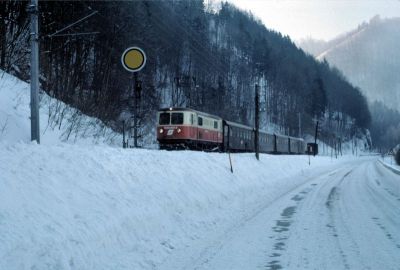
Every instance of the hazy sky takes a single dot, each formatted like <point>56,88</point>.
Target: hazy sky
<point>320,19</point>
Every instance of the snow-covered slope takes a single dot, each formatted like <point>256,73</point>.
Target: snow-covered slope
<point>78,205</point>
<point>58,122</point>
<point>391,164</point>
<point>97,207</point>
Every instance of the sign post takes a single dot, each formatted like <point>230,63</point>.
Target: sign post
<point>133,60</point>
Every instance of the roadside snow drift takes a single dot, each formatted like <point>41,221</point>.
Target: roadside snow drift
<point>81,207</point>
<point>58,121</point>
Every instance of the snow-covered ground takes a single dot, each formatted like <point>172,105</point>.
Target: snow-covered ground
<point>92,207</point>
<point>58,122</point>
<point>84,204</point>
<point>347,218</point>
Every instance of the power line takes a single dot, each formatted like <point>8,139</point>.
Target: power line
<point>72,24</point>
<point>75,34</point>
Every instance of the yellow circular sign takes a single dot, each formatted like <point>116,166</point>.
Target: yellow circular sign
<point>133,59</point>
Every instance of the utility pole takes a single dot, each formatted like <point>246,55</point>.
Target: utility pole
<point>299,125</point>
<point>315,138</point>
<point>123,134</point>
<point>136,100</point>
<point>316,133</point>
<point>34,35</point>
<point>257,122</point>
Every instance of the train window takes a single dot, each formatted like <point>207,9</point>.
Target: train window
<point>215,124</point>
<point>200,121</point>
<point>191,119</point>
<point>177,118</point>
<point>164,118</point>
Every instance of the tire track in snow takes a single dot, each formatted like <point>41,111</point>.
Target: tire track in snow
<point>388,235</point>
<point>282,226</point>
<point>331,204</point>
<point>282,229</point>
<point>332,221</point>
<point>209,253</point>
<point>379,198</point>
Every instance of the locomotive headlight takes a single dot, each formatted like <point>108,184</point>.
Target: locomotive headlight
<point>179,130</point>
<point>161,131</point>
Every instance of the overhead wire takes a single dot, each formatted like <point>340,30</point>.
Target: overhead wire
<point>72,24</point>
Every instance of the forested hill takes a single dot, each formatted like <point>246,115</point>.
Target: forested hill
<point>369,57</point>
<point>198,56</point>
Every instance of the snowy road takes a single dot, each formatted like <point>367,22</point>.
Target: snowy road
<point>347,218</point>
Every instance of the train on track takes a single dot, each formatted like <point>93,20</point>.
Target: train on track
<point>183,128</point>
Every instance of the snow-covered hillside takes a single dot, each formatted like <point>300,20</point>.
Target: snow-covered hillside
<point>98,207</point>
<point>368,56</point>
<point>58,122</point>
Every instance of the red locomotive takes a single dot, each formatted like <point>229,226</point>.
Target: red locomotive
<point>187,128</point>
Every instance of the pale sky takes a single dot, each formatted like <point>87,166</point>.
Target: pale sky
<point>320,19</point>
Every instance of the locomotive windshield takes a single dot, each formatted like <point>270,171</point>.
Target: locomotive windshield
<point>177,118</point>
<point>171,118</point>
<point>164,118</point>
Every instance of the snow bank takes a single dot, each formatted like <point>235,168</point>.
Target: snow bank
<point>58,121</point>
<point>90,207</point>
<point>391,164</point>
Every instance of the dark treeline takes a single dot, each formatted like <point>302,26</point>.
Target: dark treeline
<point>198,56</point>
<point>385,126</point>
